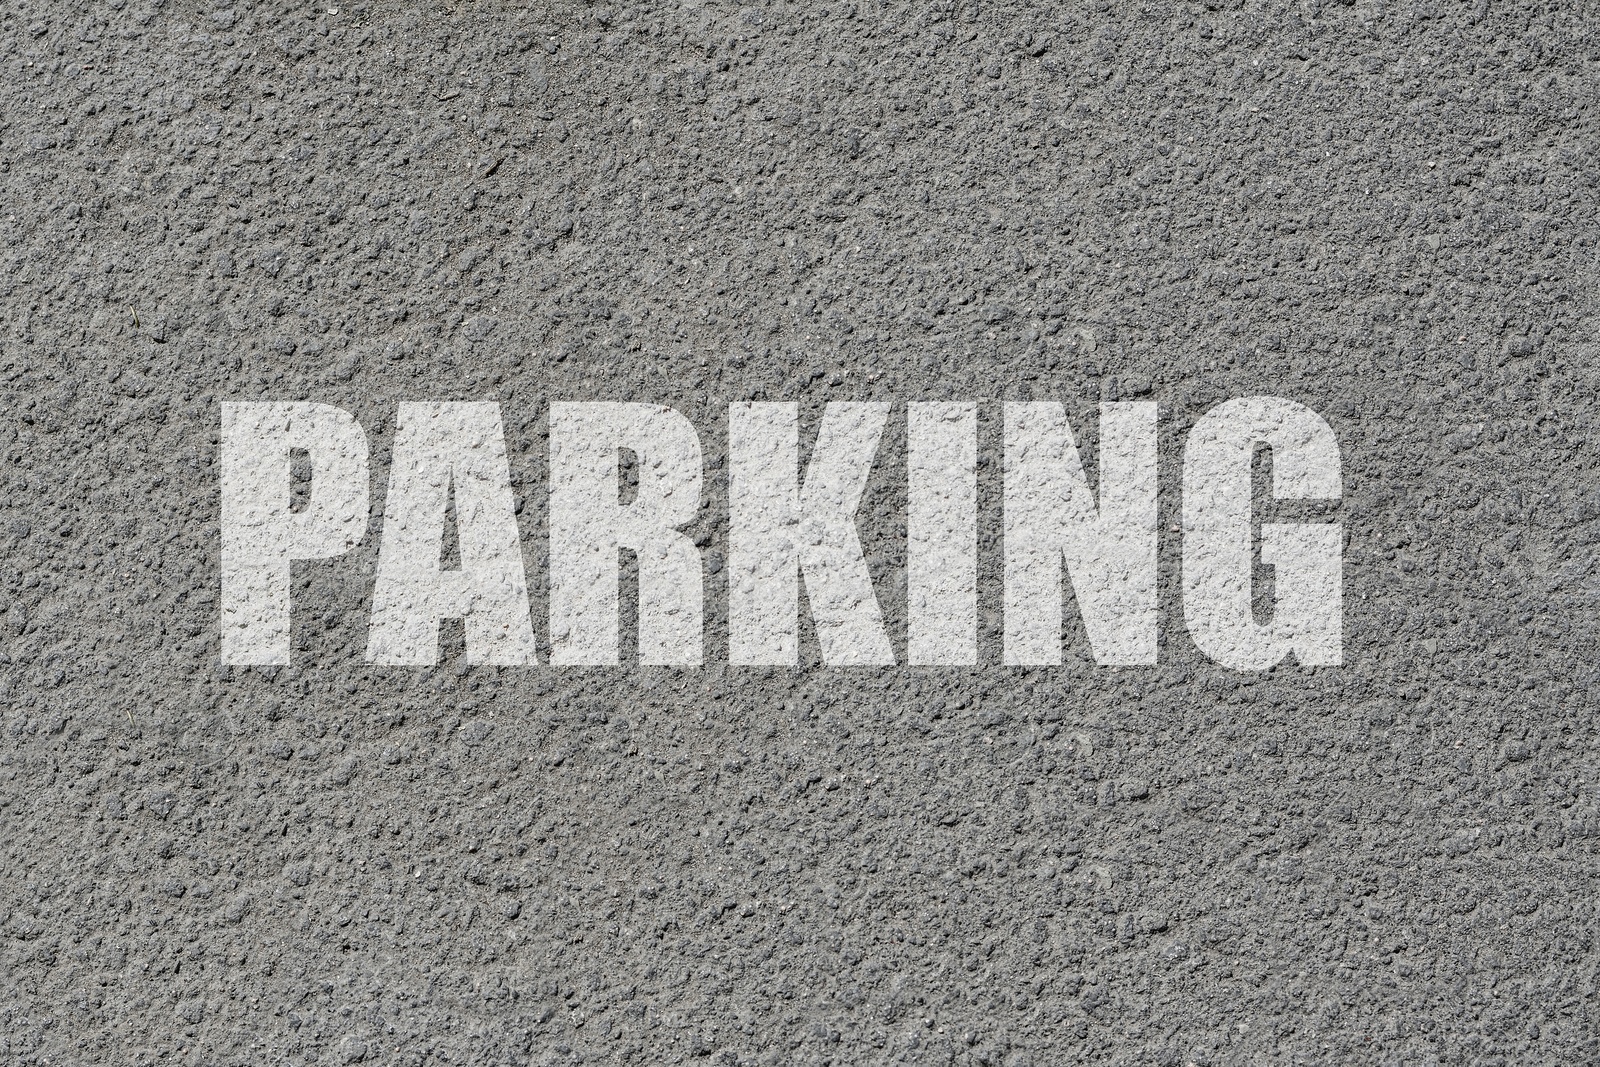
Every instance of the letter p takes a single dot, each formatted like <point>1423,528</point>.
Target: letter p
<point>262,532</point>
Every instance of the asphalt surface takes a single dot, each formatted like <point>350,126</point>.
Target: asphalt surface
<point>1385,210</point>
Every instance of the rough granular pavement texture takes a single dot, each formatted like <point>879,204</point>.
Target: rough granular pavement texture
<point>1384,209</point>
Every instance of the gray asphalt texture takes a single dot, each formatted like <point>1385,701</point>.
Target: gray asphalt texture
<point>1385,210</point>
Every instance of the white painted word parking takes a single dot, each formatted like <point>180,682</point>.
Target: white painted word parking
<point>784,524</point>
